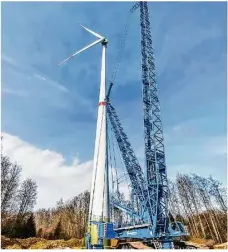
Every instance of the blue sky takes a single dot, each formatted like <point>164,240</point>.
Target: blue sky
<point>54,108</point>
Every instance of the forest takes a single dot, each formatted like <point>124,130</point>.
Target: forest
<point>200,203</point>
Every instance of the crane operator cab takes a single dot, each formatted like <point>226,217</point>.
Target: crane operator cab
<point>177,228</point>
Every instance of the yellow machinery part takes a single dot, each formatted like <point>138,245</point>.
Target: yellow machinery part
<point>94,234</point>
<point>113,243</point>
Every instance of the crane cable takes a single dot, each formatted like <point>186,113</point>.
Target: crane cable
<point>118,179</point>
<point>115,166</point>
<point>121,50</point>
<point>123,39</point>
<point>116,66</point>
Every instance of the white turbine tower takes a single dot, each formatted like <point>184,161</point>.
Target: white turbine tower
<point>98,210</point>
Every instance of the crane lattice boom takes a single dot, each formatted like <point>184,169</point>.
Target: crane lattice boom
<point>153,132</point>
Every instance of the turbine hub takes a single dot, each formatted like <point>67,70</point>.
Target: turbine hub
<point>104,41</point>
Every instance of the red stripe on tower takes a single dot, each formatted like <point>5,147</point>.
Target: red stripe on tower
<point>102,103</point>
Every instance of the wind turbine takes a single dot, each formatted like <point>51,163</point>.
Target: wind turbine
<point>99,196</point>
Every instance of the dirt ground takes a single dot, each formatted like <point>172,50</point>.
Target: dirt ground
<point>208,243</point>
<point>39,243</point>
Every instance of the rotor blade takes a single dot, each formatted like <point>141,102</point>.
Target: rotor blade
<point>83,49</point>
<point>94,33</point>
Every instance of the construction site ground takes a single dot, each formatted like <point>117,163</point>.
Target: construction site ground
<point>39,243</point>
<point>203,243</point>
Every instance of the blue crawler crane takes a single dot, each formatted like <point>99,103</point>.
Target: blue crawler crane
<point>148,224</point>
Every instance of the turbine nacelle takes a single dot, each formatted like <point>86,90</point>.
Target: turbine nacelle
<point>101,39</point>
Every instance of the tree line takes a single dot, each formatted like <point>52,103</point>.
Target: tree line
<point>200,203</point>
<point>17,201</point>
<point>67,220</point>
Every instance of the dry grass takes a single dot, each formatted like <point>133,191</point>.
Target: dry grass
<point>39,243</point>
<point>208,243</point>
<point>221,246</point>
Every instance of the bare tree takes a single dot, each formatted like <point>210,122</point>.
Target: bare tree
<point>203,203</point>
<point>73,214</point>
<point>212,222</point>
<point>218,193</point>
<point>27,196</point>
<point>183,189</point>
<point>10,174</point>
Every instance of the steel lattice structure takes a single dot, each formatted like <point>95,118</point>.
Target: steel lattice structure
<point>153,132</point>
<point>152,192</point>
<point>132,165</point>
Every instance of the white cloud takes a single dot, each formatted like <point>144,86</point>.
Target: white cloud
<point>216,146</point>
<point>177,128</point>
<point>55,179</point>
<point>52,83</point>
<point>27,70</point>
<point>9,60</point>
<point>13,92</point>
<point>39,77</point>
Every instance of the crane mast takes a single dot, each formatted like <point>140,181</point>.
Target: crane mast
<point>150,188</point>
<point>153,132</point>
